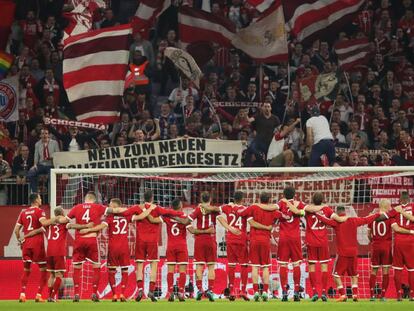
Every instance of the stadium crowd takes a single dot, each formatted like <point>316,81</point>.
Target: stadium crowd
<point>370,116</point>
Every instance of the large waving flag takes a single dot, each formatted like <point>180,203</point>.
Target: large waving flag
<point>94,68</point>
<point>147,12</point>
<point>6,20</point>
<point>265,40</point>
<point>352,53</point>
<point>185,63</point>
<point>314,19</point>
<point>261,5</point>
<point>6,60</point>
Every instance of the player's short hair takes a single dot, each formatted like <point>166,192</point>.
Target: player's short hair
<point>33,197</point>
<point>117,201</point>
<point>265,197</point>
<point>58,211</point>
<point>340,209</point>
<point>404,195</point>
<point>289,192</point>
<point>317,198</point>
<point>91,196</point>
<point>238,196</point>
<point>148,195</point>
<point>176,204</point>
<point>205,197</point>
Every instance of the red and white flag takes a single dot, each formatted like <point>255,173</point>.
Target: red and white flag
<point>265,40</point>
<point>306,19</point>
<point>260,5</point>
<point>148,11</point>
<point>94,67</point>
<point>196,25</point>
<point>352,52</point>
<point>81,17</point>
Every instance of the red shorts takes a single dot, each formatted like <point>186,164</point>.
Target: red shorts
<point>289,250</point>
<point>86,249</point>
<point>146,251</point>
<point>118,257</point>
<point>237,253</point>
<point>56,263</point>
<point>259,254</point>
<point>34,254</point>
<point>381,256</point>
<point>318,254</point>
<point>345,266</point>
<point>177,254</point>
<point>403,256</point>
<point>205,251</point>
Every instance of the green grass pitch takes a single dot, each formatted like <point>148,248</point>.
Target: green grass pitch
<point>218,305</point>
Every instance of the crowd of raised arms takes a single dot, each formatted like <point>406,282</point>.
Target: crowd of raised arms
<point>391,231</point>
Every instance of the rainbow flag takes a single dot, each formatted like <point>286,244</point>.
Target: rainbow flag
<point>6,61</point>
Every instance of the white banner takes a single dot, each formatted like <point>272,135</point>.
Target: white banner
<point>182,152</point>
<point>9,99</point>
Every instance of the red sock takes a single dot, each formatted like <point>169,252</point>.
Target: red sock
<point>56,286</point>
<point>354,290</point>
<point>139,284</point>
<point>25,278</point>
<point>312,279</point>
<point>181,281</point>
<point>211,284</point>
<point>170,281</point>
<point>255,288</point>
<point>95,280</point>
<point>199,284</point>
<point>324,282</point>
<point>244,275</point>
<point>296,277</point>
<point>152,286</point>
<point>231,273</point>
<point>111,280</point>
<point>124,281</point>
<point>43,281</point>
<point>411,283</point>
<point>50,291</point>
<point>283,277</point>
<point>385,283</point>
<point>77,280</point>
<point>341,291</point>
<point>372,282</point>
<point>397,280</point>
<point>265,288</point>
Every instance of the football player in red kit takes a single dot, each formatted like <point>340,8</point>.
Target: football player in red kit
<point>118,245</point>
<point>347,247</point>
<point>403,255</point>
<point>380,235</point>
<point>31,221</point>
<point>290,243</point>
<point>261,218</point>
<point>317,243</point>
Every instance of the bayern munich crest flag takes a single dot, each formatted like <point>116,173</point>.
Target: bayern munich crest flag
<point>9,95</point>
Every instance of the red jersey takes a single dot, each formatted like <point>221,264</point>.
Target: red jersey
<point>381,232</point>
<point>118,229</point>
<point>86,213</point>
<point>316,232</point>
<point>259,215</point>
<point>145,230</point>
<point>234,219</point>
<point>400,220</point>
<point>346,233</point>
<point>290,228</point>
<point>29,218</point>
<point>203,222</point>
<point>56,240</point>
<point>176,232</point>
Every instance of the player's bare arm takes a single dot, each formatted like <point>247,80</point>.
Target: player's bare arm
<point>184,221</point>
<point>327,221</point>
<point>210,209</point>
<point>226,225</point>
<point>399,229</point>
<point>269,207</point>
<point>34,232</point>
<point>338,218</point>
<point>406,215</point>
<point>75,226</point>
<point>96,228</point>
<point>258,225</point>
<point>154,220</point>
<point>294,207</point>
<point>310,208</point>
<point>17,229</point>
<point>144,215</point>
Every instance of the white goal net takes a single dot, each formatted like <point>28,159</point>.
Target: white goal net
<point>357,188</point>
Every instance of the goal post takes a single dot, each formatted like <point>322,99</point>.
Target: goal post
<point>359,189</point>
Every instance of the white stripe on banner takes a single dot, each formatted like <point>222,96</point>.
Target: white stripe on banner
<point>144,11</point>
<point>105,34</point>
<point>204,24</point>
<point>304,8</point>
<point>93,114</point>
<point>264,5</point>
<point>95,88</point>
<point>351,48</point>
<point>96,59</point>
<point>353,58</point>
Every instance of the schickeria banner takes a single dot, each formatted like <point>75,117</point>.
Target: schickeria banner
<point>182,152</point>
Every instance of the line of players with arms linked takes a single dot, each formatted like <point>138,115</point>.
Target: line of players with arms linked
<point>243,248</point>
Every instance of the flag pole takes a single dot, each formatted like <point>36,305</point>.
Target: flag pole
<point>349,89</point>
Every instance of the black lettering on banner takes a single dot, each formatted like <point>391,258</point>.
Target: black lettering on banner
<point>226,159</point>
<point>115,152</point>
<point>127,152</point>
<point>148,148</point>
<point>163,146</point>
<point>208,159</point>
<point>134,163</point>
<point>162,160</point>
<point>152,162</point>
<point>201,145</point>
<point>217,159</point>
<point>92,155</point>
<point>142,162</point>
<point>190,145</point>
<point>234,159</point>
<point>173,145</point>
<point>190,158</point>
<point>172,158</point>
<point>180,159</point>
<point>200,158</point>
<point>114,164</point>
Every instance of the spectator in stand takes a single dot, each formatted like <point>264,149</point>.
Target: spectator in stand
<point>43,158</point>
<point>355,130</point>
<point>35,70</point>
<point>123,125</point>
<point>5,172</point>
<point>167,118</point>
<point>31,29</point>
<point>21,164</point>
<point>339,139</point>
<point>73,139</point>
<point>144,46</point>
<point>353,159</point>
<point>139,136</point>
<point>109,19</point>
<point>49,86</point>
<point>405,150</point>
<point>385,159</point>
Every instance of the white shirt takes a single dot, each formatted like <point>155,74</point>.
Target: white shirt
<point>179,95</point>
<point>320,128</point>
